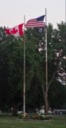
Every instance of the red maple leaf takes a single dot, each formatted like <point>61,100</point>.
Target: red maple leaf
<point>14,30</point>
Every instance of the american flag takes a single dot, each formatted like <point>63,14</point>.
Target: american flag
<point>36,22</point>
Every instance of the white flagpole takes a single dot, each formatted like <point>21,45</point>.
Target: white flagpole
<point>46,48</point>
<point>46,62</point>
<point>24,84</point>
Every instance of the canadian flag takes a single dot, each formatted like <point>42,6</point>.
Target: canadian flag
<point>15,31</point>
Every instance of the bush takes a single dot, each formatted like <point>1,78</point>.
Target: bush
<point>21,116</point>
<point>34,116</point>
<point>45,117</point>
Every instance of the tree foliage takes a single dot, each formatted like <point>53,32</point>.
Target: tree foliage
<point>12,68</point>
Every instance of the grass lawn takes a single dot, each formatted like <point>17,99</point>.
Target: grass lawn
<point>12,122</point>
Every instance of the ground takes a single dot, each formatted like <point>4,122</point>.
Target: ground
<point>15,122</point>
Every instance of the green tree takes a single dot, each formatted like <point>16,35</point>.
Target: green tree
<point>11,67</point>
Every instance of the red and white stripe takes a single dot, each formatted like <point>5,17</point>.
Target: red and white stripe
<point>34,23</point>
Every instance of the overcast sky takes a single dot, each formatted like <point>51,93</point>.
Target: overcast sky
<point>12,11</point>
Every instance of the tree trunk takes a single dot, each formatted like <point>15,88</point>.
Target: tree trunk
<point>46,102</point>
